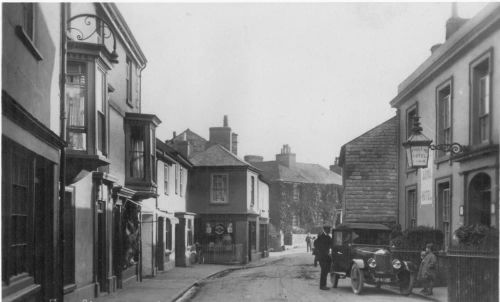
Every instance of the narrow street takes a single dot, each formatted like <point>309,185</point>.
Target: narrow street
<point>293,278</point>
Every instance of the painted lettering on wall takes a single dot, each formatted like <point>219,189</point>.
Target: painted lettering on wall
<point>427,183</point>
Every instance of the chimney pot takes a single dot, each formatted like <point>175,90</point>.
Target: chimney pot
<point>225,121</point>
<point>174,134</point>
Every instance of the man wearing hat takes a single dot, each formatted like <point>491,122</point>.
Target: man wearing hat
<point>322,247</point>
<point>427,270</point>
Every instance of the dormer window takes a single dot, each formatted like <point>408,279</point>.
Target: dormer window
<point>140,144</point>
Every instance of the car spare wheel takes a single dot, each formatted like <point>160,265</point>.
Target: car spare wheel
<point>334,278</point>
<point>357,279</point>
<point>406,282</point>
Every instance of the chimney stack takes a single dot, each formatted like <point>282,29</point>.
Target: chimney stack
<point>224,137</point>
<point>174,134</point>
<point>286,157</point>
<point>234,143</point>
<point>454,22</point>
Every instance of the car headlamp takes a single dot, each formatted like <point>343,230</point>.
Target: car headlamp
<point>396,264</point>
<point>372,263</point>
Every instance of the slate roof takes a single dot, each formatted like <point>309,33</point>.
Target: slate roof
<point>302,173</point>
<point>217,156</point>
<point>162,146</point>
<point>190,135</point>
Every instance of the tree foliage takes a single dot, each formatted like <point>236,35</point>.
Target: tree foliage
<point>311,205</point>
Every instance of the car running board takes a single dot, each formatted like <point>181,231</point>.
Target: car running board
<point>342,275</point>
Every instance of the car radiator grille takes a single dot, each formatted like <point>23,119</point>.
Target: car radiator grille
<point>383,263</point>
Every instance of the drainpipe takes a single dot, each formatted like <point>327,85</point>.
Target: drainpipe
<point>62,164</point>
<point>398,166</point>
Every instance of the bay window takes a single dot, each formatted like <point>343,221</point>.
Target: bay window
<point>137,152</point>
<point>76,102</point>
<point>86,91</point>
<point>140,144</point>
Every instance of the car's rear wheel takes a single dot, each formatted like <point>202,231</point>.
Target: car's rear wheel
<point>357,279</point>
<point>406,282</point>
<point>334,278</point>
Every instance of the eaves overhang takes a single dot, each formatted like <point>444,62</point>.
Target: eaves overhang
<point>124,33</point>
<point>476,29</point>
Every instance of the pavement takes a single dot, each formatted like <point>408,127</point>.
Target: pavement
<point>171,285</point>
<point>439,294</point>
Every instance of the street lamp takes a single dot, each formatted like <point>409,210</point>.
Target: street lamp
<point>417,147</point>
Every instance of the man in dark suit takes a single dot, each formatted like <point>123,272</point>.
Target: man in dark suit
<point>322,247</point>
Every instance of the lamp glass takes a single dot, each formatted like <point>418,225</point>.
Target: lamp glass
<point>419,156</point>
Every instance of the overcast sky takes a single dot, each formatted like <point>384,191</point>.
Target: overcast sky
<point>311,75</point>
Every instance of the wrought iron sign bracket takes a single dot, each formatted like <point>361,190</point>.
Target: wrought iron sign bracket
<point>97,29</point>
<point>453,148</point>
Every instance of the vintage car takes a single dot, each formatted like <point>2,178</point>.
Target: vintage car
<point>362,252</point>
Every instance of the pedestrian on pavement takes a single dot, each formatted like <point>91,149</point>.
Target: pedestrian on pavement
<point>313,239</point>
<point>427,270</point>
<point>308,242</point>
<point>322,246</point>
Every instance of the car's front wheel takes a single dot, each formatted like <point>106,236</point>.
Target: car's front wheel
<point>406,282</point>
<point>357,279</point>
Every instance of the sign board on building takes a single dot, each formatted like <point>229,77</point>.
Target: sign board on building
<point>427,182</point>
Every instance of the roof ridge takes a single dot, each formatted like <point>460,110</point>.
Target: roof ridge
<point>370,130</point>
<point>230,153</point>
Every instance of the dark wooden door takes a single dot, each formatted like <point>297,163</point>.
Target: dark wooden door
<point>101,245</point>
<point>160,246</point>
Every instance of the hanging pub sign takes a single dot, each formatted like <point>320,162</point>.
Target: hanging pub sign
<point>230,227</point>
<point>208,228</point>
<point>219,229</point>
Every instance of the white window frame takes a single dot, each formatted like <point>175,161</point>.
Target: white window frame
<point>166,179</point>
<point>212,197</point>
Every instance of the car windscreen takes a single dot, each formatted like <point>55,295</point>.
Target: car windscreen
<point>371,237</point>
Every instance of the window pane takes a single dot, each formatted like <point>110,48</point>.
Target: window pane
<point>99,100</point>
<point>77,140</point>
<point>181,174</point>
<point>76,91</point>
<point>481,102</point>
<point>76,105</point>
<point>176,178</point>
<point>219,189</point>
<point>410,121</point>
<point>484,95</point>
<point>137,152</point>
<point>165,178</point>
